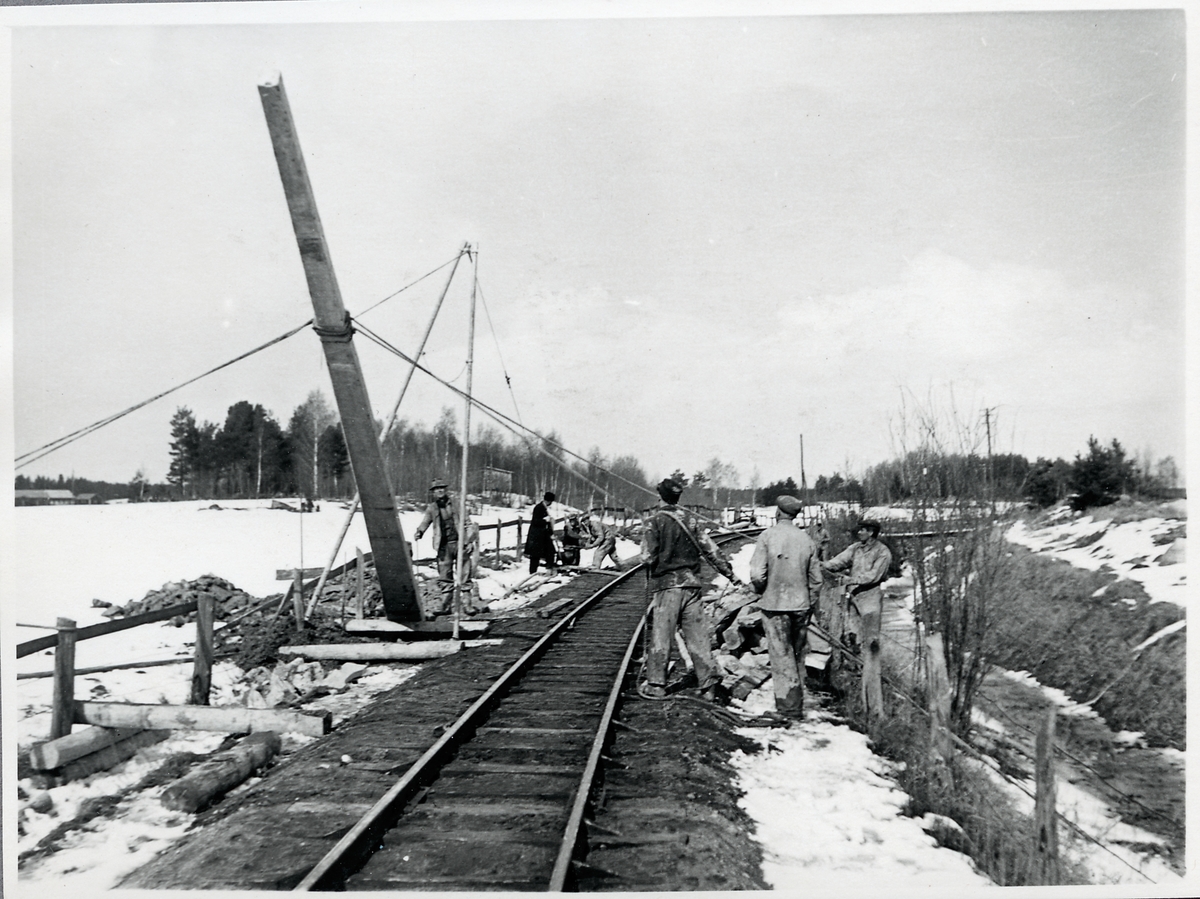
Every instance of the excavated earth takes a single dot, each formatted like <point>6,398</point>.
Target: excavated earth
<point>668,817</point>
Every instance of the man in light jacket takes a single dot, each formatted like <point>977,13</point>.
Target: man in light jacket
<point>604,542</point>
<point>785,571</point>
<point>440,515</point>
<point>867,561</point>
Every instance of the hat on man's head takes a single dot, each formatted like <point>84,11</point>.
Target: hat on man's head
<point>437,482</point>
<point>670,490</point>
<point>789,505</point>
<point>871,525</point>
<point>548,496</point>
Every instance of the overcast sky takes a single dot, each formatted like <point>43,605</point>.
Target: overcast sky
<point>698,237</point>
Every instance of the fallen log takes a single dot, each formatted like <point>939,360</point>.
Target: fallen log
<point>227,719</point>
<point>101,760</point>
<point>413,629</point>
<point>56,753</point>
<point>220,774</point>
<point>384,652</point>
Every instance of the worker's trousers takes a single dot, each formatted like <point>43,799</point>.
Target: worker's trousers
<point>606,550</point>
<point>787,634</point>
<point>679,607</point>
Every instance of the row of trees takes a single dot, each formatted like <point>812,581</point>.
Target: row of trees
<point>253,455</point>
<point>1100,476</point>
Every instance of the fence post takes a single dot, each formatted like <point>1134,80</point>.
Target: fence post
<point>499,531</point>
<point>362,584</point>
<point>1045,816</point>
<point>63,714</point>
<point>937,687</point>
<point>202,669</point>
<point>298,599</point>
<point>519,538</point>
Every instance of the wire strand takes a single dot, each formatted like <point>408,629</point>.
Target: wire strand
<point>58,444</point>
<point>54,445</point>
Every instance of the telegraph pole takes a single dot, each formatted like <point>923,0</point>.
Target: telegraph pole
<point>331,321</point>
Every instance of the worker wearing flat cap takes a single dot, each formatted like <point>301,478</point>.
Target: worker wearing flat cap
<point>867,562</point>
<point>445,545</point>
<point>672,548</point>
<point>786,573</point>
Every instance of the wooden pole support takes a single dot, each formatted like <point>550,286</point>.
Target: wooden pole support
<point>298,600</point>
<point>1045,817</point>
<point>202,670</point>
<point>63,713</point>
<point>362,584</point>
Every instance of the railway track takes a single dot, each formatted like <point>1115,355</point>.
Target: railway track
<point>501,800</point>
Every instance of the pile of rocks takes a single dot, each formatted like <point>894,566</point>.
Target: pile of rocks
<point>230,601</point>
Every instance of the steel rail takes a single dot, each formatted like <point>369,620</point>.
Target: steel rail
<point>323,875</point>
<point>331,871</point>
<point>566,852</point>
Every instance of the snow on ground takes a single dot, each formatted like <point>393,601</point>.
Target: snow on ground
<point>849,829</point>
<point>1127,549</point>
<point>827,814</point>
<point>120,552</point>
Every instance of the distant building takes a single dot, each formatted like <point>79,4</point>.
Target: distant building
<point>90,499</point>
<point>44,498</point>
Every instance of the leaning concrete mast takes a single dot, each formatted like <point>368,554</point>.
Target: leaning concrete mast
<point>332,323</point>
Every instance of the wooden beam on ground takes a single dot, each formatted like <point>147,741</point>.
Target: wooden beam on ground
<point>413,629</point>
<point>101,760</point>
<point>231,720</point>
<point>220,774</point>
<point>377,652</point>
<point>56,753</point>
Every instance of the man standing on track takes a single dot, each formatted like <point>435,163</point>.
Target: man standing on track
<point>867,561</point>
<point>539,545</point>
<point>785,571</point>
<point>604,542</point>
<point>445,545</point>
<point>672,548</point>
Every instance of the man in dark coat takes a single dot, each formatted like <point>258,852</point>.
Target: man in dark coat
<point>672,547</point>
<point>539,545</point>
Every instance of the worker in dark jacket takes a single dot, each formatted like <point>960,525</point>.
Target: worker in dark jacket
<point>672,548</point>
<point>785,571</point>
<point>867,562</point>
<point>439,514</point>
<point>573,536</point>
<point>539,545</point>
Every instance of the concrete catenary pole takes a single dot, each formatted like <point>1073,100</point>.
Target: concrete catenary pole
<point>332,323</point>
